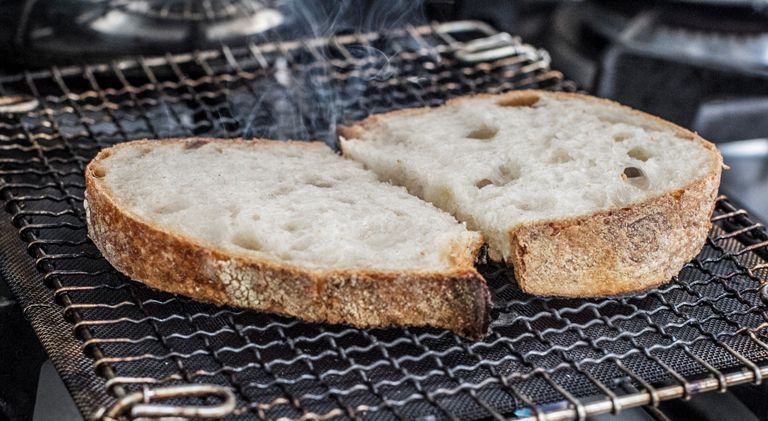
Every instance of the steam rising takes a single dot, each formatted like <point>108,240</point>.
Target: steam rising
<point>306,93</point>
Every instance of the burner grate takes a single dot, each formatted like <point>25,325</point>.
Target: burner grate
<point>125,351</point>
<point>190,10</point>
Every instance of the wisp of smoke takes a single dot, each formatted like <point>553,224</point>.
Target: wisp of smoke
<point>304,101</point>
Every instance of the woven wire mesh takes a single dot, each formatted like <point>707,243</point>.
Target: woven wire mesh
<point>110,337</point>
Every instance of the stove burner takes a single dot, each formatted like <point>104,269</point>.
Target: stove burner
<point>637,52</point>
<point>190,10</point>
<point>198,23</point>
<point>79,31</point>
<point>186,22</point>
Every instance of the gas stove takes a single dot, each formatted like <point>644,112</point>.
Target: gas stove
<point>701,64</point>
<point>684,61</point>
<point>71,31</point>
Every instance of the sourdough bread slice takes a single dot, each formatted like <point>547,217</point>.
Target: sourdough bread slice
<point>583,196</point>
<point>283,227</point>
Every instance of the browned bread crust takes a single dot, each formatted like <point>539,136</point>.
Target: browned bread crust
<point>610,252</point>
<point>457,300</point>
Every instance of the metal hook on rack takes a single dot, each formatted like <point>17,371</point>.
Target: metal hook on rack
<point>140,404</point>
<point>17,104</point>
<point>499,46</point>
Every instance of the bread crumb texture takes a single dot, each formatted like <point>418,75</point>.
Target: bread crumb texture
<point>568,188</point>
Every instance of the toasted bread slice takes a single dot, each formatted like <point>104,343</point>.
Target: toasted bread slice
<point>583,196</point>
<point>283,227</point>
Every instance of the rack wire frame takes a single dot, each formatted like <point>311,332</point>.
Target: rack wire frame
<point>125,351</point>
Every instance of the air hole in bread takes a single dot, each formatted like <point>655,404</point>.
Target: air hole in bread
<point>526,206</point>
<point>504,174</point>
<point>636,177</point>
<point>99,171</point>
<point>246,241</point>
<point>190,145</point>
<point>280,191</point>
<point>633,172</point>
<point>142,152</point>
<point>621,136</point>
<point>527,99</point>
<point>484,132</point>
<point>294,226</point>
<point>255,217</point>
<point>483,183</point>
<point>170,208</point>
<point>444,198</point>
<point>508,171</point>
<point>323,184</point>
<point>614,118</point>
<point>639,153</point>
<point>559,156</point>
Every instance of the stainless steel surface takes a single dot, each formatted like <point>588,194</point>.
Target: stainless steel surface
<point>753,148</point>
<point>667,59</point>
<point>747,179</point>
<point>732,118</point>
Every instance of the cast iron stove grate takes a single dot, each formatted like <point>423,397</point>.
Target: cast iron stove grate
<point>125,351</point>
<point>188,9</point>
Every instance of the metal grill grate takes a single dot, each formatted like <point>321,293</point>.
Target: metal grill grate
<point>118,344</point>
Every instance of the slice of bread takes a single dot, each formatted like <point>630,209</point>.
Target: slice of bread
<point>283,227</point>
<point>583,196</point>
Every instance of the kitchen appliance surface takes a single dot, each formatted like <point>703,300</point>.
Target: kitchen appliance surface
<point>125,351</point>
<point>42,33</point>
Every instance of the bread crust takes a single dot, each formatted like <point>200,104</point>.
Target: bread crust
<point>609,252</point>
<point>458,299</point>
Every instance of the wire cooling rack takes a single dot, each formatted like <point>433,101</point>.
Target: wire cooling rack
<point>125,351</point>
